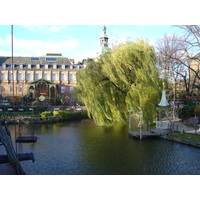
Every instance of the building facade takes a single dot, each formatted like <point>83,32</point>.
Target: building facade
<point>44,77</point>
<point>194,65</point>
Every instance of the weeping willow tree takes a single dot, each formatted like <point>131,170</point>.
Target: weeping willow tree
<point>123,79</point>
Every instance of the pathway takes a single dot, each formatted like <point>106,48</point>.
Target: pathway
<point>180,126</point>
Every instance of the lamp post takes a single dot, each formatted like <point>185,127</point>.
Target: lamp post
<point>12,68</point>
<point>130,119</point>
<point>141,117</point>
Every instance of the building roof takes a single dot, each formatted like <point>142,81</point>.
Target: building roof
<point>42,61</point>
<point>31,60</point>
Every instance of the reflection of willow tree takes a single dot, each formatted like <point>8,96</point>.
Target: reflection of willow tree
<point>126,78</point>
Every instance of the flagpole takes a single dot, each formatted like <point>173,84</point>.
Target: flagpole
<point>12,63</point>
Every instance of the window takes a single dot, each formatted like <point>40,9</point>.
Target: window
<point>11,88</point>
<point>54,77</point>
<point>3,89</point>
<point>3,66</point>
<point>38,66</point>
<point>62,77</point>
<point>71,77</point>
<point>3,77</point>
<point>51,59</point>
<point>63,88</point>
<point>19,88</point>
<point>34,59</point>
<point>37,76</point>
<point>19,78</point>
<point>54,66</point>
<point>28,77</point>
<point>21,66</point>
<point>71,89</point>
<point>45,76</point>
<point>10,77</point>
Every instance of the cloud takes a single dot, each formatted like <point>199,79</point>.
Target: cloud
<point>87,54</point>
<point>34,28</point>
<point>47,28</point>
<point>56,29</point>
<point>124,35</point>
<point>38,47</point>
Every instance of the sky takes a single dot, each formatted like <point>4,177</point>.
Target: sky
<point>73,41</point>
<point>80,38</point>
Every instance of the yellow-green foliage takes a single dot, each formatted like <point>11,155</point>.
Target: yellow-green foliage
<point>60,113</point>
<point>197,110</point>
<point>46,114</point>
<point>124,79</point>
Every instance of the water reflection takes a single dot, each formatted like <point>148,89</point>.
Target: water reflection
<point>84,148</point>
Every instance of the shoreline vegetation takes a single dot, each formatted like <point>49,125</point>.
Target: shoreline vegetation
<point>47,117</point>
<point>184,138</point>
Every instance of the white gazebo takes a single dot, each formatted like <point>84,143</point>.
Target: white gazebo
<point>163,121</point>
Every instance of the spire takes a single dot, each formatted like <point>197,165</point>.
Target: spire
<point>164,101</point>
<point>104,38</point>
<point>104,29</point>
<point>103,43</point>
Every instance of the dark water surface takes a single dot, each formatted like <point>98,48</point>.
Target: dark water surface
<point>80,148</point>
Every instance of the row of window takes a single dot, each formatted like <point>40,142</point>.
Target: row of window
<point>63,89</point>
<point>19,89</point>
<point>38,66</point>
<point>29,77</point>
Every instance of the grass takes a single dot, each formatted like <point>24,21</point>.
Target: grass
<point>186,136</point>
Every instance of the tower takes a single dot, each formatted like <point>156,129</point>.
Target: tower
<point>104,38</point>
<point>103,42</point>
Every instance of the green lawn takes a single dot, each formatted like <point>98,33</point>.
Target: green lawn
<point>186,136</point>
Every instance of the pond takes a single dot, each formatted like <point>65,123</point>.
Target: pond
<point>82,148</point>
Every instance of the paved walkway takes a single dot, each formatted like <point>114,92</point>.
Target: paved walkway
<point>180,126</point>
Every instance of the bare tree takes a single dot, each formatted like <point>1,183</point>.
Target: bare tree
<point>175,61</point>
<point>192,37</point>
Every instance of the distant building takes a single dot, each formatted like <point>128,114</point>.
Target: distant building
<point>44,77</point>
<point>47,77</point>
<point>195,65</point>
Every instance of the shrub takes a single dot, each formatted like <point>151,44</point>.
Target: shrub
<point>60,113</point>
<point>46,114</point>
<point>71,115</point>
<point>187,111</point>
<point>197,110</point>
